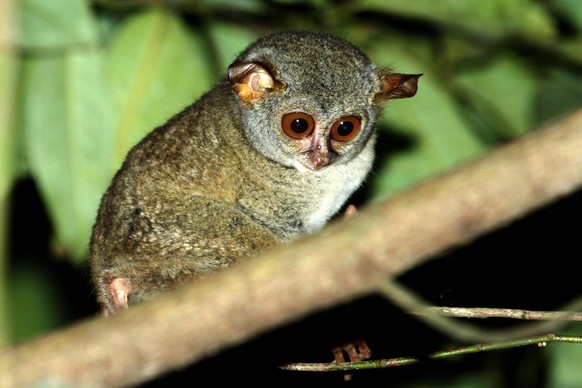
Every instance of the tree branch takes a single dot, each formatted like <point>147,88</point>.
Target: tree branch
<point>488,312</point>
<point>387,363</point>
<point>344,261</point>
<point>439,317</point>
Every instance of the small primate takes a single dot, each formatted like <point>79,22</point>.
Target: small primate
<point>268,155</point>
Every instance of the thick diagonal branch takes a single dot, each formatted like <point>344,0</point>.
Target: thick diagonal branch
<point>346,260</point>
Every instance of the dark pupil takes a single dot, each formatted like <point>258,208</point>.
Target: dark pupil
<point>299,125</point>
<point>345,128</point>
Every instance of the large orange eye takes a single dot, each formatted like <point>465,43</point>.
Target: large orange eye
<point>298,125</point>
<point>345,129</point>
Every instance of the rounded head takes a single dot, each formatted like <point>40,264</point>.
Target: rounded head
<point>308,99</point>
<point>315,64</point>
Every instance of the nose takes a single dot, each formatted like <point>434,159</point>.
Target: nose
<point>319,159</point>
<point>319,156</point>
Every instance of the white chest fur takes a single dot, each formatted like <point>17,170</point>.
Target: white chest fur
<point>341,181</point>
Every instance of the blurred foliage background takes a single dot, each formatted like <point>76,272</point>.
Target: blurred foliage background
<point>82,81</point>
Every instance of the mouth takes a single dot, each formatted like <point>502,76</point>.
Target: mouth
<point>319,159</point>
<point>302,168</point>
<point>311,165</point>
<point>313,159</point>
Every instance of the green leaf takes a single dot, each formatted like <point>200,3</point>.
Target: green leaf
<point>572,49</point>
<point>68,122</point>
<point>570,9</point>
<point>228,41</point>
<point>234,5</point>
<point>564,366</point>
<point>155,68</point>
<point>558,94</point>
<point>439,138</point>
<point>505,91</point>
<point>9,63</point>
<point>55,23</point>
<point>491,17</point>
<point>35,301</point>
<point>8,134</point>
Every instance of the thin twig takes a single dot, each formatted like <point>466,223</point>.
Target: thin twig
<point>400,361</point>
<point>487,312</point>
<point>409,301</point>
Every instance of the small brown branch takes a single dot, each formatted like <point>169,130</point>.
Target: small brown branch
<point>387,363</point>
<point>346,260</point>
<point>485,312</point>
<point>440,317</point>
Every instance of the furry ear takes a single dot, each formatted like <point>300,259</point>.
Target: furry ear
<point>395,85</point>
<point>251,81</point>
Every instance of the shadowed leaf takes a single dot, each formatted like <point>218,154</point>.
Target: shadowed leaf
<point>155,67</point>
<point>68,122</point>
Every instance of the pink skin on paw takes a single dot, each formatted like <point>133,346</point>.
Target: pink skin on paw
<point>119,290</point>
<point>351,211</point>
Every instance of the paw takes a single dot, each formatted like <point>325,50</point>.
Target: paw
<point>118,291</point>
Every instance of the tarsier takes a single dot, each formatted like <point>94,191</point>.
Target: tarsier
<point>268,155</point>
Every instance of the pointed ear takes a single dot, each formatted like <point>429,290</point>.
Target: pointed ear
<point>251,81</point>
<point>394,85</point>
